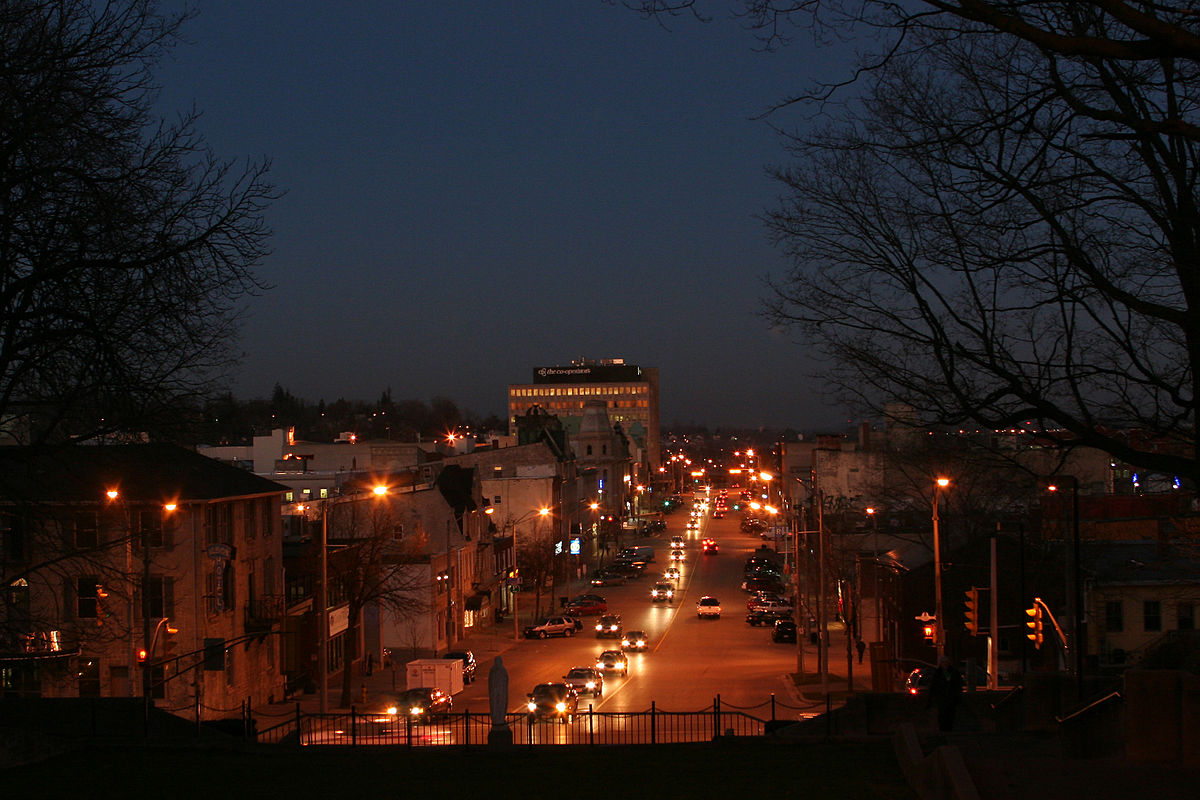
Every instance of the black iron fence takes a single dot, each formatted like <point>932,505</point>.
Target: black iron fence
<point>584,726</point>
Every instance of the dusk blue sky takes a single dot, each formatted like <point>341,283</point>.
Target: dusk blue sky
<point>474,189</point>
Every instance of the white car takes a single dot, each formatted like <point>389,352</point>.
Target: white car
<point>708,607</point>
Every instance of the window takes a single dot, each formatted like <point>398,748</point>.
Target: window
<point>1186,616</point>
<point>87,598</point>
<point>12,537</point>
<point>86,533</point>
<point>268,520</point>
<point>1152,615</point>
<point>1114,616</point>
<point>218,524</point>
<point>250,519</point>
<point>148,528</point>
<point>589,449</point>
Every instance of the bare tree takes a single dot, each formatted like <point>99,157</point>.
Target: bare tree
<point>374,562</point>
<point>1001,227</point>
<point>125,243</point>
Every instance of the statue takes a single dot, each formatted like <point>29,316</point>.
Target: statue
<point>500,735</point>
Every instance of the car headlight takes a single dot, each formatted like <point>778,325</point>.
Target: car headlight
<point>591,685</point>
<point>624,643</point>
<point>560,706</point>
<point>532,706</point>
<point>599,665</point>
<point>599,627</point>
<point>641,642</point>
<point>392,710</point>
<point>416,711</point>
<point>670,593</point>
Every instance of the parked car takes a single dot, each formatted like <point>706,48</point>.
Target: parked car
<point>784,631</point>
<point>584,608</point>
<point>556,701</point>
<point>608,577</point>
<point>761,617</point>
<point>630,569</point>
<point>611,661</point>
<point>634,640</point>
<point>661,592</point>
<point>585,679</point>
<point>468,663</point>
<point>421,704</point>
<point>609,626</point>
<point>760,599</point>
<point>708,607</point>
<point>551,626</point>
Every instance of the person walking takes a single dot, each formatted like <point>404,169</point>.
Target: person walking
<point>945,691</point>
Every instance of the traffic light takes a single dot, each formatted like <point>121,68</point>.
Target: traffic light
<point>141,655</point>
<point>170,633</point>
<point>972,613</point>
<point>930,631</point>
<point>1034,623</point>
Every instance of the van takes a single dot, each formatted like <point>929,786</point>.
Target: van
<point>637,554</point>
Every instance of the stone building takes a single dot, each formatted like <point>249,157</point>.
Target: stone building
<point>139,569</point>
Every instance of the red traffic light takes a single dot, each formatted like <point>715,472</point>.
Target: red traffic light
<point>141,655</point>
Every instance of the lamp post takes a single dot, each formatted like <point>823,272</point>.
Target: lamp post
<point>321,600</point>
<point>1076,578</point>
<point>939,623</point>
<point>149,630</point>
<point>544,511</point>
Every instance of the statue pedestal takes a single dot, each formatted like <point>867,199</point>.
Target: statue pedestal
<point>500,737</point>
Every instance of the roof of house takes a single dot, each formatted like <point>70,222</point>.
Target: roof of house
<point>1142,562</point>
<point>151,473</point>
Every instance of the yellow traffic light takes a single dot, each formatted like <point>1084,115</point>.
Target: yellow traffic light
<point>972,612</point>
<point>1034,623</point>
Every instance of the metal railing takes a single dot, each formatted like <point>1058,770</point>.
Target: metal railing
<point>467,729</point>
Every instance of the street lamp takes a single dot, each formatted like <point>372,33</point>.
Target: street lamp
<point>322,597</point>
<point>939,625</point>
<point>145,656</point>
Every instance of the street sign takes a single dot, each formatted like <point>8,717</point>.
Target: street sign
<point>926,617</point>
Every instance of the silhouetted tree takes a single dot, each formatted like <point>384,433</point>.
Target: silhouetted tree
<point>125,244</point>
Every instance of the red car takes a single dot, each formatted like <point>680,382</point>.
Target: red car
<point>582,608</point>
<point>710,547</point>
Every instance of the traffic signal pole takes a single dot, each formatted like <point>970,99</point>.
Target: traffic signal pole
<point>994,638</point>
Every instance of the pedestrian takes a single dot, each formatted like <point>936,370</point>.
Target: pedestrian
<point>861,647</point>
<point>945,690</point>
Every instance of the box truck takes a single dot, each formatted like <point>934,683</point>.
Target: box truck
<point>435,673</point>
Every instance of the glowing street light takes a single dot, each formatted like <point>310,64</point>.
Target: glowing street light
<point>940,628</point>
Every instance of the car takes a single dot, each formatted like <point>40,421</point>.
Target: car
<point>719,514</point>
<point>759,617</point>
<point>556,701</point>
<point>678,556</point>
<point>421,704</point>
<point>677,541</point>
<point>769,606</point>
<point>613,661</point>
<point>584,608</point>
<point>468,663</point>
<point>634,640</point>
<point>630,569</point>
<point>784,631</point>
<point>708,607</point>
<point>692,525</point>
<point>672,574</point>
<point>609,577</point>
<point>609,626</point>
<point>551,626</point>
<point>710,548</point>
<point>662,591</point>
<point>595,598</point>
<point>759,598</point>
<point>585,679</point>
<point>754,585</point>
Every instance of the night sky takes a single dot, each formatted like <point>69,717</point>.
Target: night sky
<point>477,188</point>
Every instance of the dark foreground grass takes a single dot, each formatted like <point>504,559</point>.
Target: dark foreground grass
<point>746,769</point>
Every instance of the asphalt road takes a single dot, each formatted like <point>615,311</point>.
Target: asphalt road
<point>689,661</point>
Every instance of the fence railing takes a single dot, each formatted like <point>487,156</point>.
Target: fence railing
<point>584,727</point>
